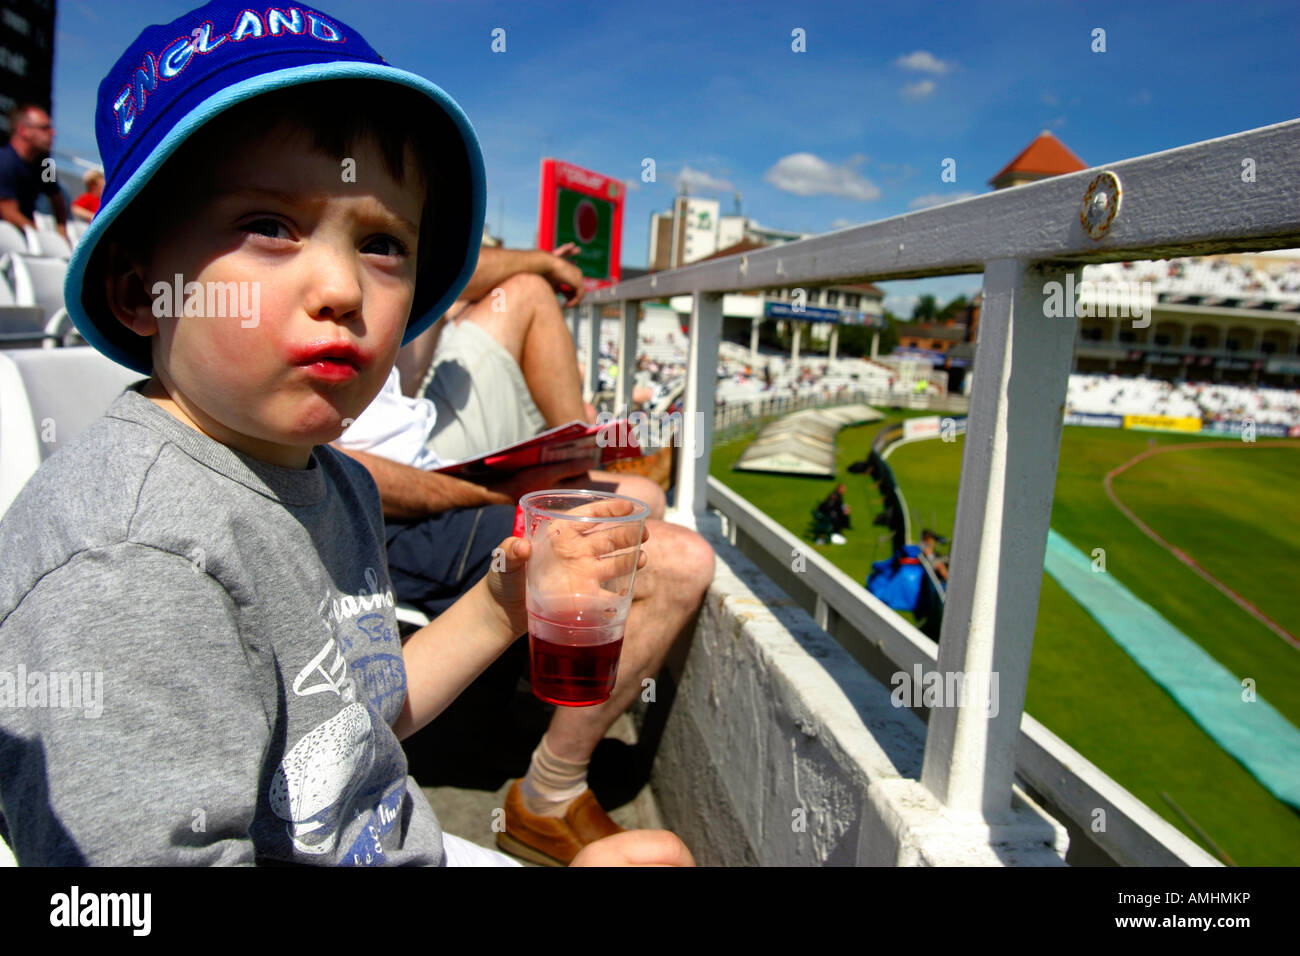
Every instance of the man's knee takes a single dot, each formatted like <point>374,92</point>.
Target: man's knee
<point>684,557</point>
<point>644,490</point>
<point>522,292</point>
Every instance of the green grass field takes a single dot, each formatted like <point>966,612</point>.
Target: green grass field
<point>1231,508</point>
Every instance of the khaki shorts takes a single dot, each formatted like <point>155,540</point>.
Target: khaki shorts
<point>482,400</point>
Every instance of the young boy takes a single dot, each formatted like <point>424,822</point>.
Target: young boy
<point>282,210</point>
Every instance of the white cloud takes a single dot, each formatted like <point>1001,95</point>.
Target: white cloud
<point>1143,97</point>
<point>1057,122</point>
<point>632,185</point>
<point>938,199</point>
<point>841,223</point>
<point>807,175</point>
<point>917,91</point>
<point>924,61</point>
<point>693,180</point>
<point>1050,98</point>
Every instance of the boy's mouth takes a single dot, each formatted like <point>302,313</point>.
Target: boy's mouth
<point>334,361</point>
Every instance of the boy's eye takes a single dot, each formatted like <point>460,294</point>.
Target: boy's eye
<point>267,227</point>
<point>386,246</point>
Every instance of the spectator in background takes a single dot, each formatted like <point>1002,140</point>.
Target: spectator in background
<point>928,541</point>
<point>836,512</point>
<point>86,205</point>
<point>22,162</point>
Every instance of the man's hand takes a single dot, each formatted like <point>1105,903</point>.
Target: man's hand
<point>508,491</point>
<point>564,276</point>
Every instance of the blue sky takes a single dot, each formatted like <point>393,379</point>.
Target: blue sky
<point>852,130</point>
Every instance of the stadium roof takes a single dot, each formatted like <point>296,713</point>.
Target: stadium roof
<point>1045,156</point>
<point>803,443</point>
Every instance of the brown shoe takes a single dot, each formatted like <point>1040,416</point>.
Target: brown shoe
<point>553,841</point>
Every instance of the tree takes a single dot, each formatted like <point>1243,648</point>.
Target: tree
<point>925,309</point>
<point>953,308</point>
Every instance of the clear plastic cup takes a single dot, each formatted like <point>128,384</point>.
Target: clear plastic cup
<point>585,546</point>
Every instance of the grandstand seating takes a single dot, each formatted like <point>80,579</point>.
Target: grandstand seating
<point>1115,395</point>
<point>1206,277</point>
<point>35,280</point>
<point>47,242</point>
<point>12,239</point>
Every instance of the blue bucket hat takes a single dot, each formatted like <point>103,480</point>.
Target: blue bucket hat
<point>177,76</point>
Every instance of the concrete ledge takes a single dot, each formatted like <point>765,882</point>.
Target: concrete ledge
<point>781,750</point>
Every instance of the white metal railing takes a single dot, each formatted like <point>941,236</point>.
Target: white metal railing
<point>1192,200</point>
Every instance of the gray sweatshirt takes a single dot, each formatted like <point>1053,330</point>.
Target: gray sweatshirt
<point>199,660</point>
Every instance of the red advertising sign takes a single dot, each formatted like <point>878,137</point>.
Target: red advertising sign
<point>584,208</point>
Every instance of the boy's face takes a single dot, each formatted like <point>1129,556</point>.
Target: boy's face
<point>326,272</point>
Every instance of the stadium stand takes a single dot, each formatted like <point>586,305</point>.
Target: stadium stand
<point>1114,395</point>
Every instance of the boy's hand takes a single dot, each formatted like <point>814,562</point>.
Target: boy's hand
<point>506,582</point>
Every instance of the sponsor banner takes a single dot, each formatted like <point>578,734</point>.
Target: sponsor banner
<point>780,310</point>
<point>1162,423</point>
<point>1283,366</point>
<point>932,426</point>
<point>1262,429</point>
<point>927,427</point>
<point>1094,421</point>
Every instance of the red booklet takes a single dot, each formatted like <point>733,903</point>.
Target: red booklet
<point>575,441</point>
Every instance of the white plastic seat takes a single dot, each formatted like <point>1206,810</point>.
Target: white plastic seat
<point>47,242</point>
<point>38,281</point>
<point>12,239</point>
<point>47,396</point>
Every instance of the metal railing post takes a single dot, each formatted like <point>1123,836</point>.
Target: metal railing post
<point>1004,505</point>
<point>631,309</point>
<point>593,350</point>
<point>697,414</point>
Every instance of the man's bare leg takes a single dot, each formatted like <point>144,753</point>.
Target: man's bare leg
<point>532,329</point>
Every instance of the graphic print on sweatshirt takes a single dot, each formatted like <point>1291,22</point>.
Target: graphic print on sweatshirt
<point>336,767</point>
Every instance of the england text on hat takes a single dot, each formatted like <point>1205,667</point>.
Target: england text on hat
<point>131,100</point>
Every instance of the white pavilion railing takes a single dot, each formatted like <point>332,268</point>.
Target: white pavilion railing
<point>1239,193</point>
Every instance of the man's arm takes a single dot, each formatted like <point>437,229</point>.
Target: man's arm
<point>10,212</point>
<point>497,265</point>
<point>409,494</point>
<point>60,208</point>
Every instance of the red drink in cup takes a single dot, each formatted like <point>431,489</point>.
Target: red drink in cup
<point>573,657</point>
<point>580,575</point>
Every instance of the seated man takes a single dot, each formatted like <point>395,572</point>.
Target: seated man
<point>550,809</point>
<point>928,541</point>
<point>836,513</point>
